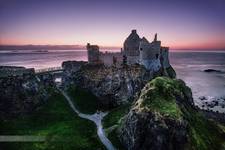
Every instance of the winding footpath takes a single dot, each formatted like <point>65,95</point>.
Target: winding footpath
<point>96,118</point>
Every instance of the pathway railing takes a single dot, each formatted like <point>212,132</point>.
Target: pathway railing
<point>51,69</point>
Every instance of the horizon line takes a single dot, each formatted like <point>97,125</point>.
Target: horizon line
<point>102,46</point>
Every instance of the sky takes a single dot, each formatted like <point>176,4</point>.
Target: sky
<point>180,24</point>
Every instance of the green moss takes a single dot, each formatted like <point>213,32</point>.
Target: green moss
<point>115,140</point>
<point>222,127</point>
<point>204,134</point>
<point>111,122</point>
<point>168,108</point>
<point>57,121</point>
<point>115,115</point>
<point>159,95</point>
<point>84,101</point>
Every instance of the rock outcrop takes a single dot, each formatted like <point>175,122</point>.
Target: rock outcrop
<point>6,71</point>
<point>164,118</point>
<point>21,94</point>
<point>170,72</point>
<point>112,85</point>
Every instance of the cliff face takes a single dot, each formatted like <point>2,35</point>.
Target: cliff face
<point>170,72</point>
<point>20,95</point>
<point>164,118</point>
<point>113,86</point>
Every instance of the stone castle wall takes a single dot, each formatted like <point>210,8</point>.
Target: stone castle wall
<point>133,59</point>
<point>149,51</point>
<point>107,58</point>
<point>150,54</point>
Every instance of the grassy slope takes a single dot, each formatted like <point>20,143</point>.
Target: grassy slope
<point>111,122</point>
<point>84,101</point>
<point>114,116</point>
<point>88,103</point>
<point>204,134</point>
<point>160,97</point>
<point>57,121</point>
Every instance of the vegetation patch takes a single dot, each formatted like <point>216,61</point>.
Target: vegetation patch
<point>56,120</point>
<point>115,140</point>
<point>85,101</point>
<point>204,134</point>
<point>88,103</point>
<point>159,95</point>
<point>111,123</point>
<point>114,116</point>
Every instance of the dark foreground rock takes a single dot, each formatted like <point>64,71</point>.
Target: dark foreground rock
<point>152,131</point>
<point>170,72</point>
<point>164,118</point>
<point>21,94</point>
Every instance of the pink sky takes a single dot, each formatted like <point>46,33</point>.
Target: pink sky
<point>180,25</point>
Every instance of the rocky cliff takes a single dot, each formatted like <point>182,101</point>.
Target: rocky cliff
<point>112,85</point>
<point>164,118</point>
<point>21,94</point>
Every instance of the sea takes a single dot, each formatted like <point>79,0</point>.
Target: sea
<point>208,88</point>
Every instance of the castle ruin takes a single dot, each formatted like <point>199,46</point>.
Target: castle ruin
<point>136,50</point>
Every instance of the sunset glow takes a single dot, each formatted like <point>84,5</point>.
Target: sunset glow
<point>180,25</point>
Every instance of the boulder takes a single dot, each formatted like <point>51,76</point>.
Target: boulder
<point>212,70</point>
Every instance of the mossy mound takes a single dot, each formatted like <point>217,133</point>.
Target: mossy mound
<point>160,95</point>
<point>164,116</point>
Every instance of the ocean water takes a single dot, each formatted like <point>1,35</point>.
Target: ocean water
<point>189,66</point>
<point>40,60</point>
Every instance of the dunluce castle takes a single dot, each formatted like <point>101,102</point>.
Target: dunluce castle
<point>135,50</point>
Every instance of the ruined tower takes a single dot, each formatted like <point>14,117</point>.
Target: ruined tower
<point>93,53</point>
<point>131,47</point>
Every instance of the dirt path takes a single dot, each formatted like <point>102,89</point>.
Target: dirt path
<point>96,118</point>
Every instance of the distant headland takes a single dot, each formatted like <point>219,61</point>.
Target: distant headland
<point>50,47</point>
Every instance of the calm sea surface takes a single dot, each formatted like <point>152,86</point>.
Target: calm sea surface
<point>188,65</point>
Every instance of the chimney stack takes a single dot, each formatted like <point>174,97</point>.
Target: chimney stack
<point>155,39</point>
